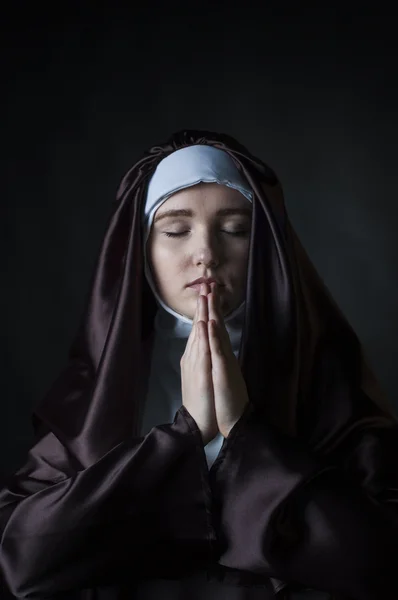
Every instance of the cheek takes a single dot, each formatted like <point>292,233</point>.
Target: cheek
<point>240,255</point>
<point>165,262</point>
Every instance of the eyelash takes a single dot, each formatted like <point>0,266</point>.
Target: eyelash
<point>235,233</point>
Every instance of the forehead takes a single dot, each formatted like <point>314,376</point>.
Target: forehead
<point>206,195</point>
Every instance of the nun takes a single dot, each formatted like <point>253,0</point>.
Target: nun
<point>217,432</point>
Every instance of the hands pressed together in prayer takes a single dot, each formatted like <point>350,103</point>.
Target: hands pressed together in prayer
<point>213,389</point>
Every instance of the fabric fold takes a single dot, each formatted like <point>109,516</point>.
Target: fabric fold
<point>324,521</point>
<point>144,509</point>
<point>304,491</point>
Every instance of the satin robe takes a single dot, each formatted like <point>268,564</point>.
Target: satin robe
<point>269,515</point>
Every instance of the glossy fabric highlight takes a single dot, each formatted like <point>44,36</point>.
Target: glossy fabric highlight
<point>304,493</point>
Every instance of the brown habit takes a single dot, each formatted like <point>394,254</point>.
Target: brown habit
<point>305,489</point>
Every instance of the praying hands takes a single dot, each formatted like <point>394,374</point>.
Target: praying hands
<point>213,389</point>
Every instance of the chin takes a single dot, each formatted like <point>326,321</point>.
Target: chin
<point>185,311</point>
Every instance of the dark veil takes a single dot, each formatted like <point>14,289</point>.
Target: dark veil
<point>293,329</point>
<point>276,507</point>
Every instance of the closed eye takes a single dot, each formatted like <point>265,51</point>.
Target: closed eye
<point>240,233</point>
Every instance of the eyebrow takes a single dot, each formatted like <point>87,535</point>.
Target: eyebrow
<point>183,212</point>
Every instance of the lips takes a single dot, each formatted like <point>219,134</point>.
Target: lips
<point>208,280</point>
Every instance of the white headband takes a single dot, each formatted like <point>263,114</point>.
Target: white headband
<point>186,167</point>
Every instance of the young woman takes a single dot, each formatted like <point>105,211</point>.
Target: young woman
<point>217,432</point>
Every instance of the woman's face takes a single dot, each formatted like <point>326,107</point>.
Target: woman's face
<point>208,237</point>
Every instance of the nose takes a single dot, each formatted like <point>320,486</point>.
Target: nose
<point>207,254</point>
<point>206,258</point>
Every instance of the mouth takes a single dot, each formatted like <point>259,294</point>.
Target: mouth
<point>197,288</point>
<point>201,280</point>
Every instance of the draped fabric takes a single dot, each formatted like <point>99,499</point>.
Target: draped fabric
<point>304,493</point>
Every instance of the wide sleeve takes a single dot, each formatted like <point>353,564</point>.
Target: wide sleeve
<point>143,508</point>
<point>325,522</point>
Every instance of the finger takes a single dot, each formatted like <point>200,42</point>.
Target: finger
<point>201,348</point>
<point>195,317</point>
<point>219,361</point>
<point>200,324</point>
<point>193,333</point>
<point>205,306</point>
<point>196,340</point>
<point>203,337</point>
<point>215,342</point>
<point>205,289</point>
<point>216,314</point>
<point>219,341</point>
<point>199,308</point>
<point>213,312</point>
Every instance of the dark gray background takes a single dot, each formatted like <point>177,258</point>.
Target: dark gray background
<point>310,88</point>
